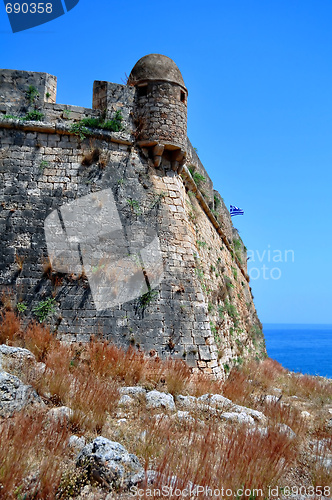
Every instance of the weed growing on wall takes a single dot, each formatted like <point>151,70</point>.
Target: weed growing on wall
<point>21,307</point>
<point>43,164</point>
<point>238,249</point>
<point>198,178</point>
<point>146,299</point>
<point>80,130</point>
<point>34,115</point>
<point>32,95</point>
<point>134,205</point>
<point>44,309</point>
<point>84,126</point>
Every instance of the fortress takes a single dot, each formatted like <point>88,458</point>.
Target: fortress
<point>116,195</point>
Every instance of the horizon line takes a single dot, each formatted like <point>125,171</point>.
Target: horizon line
<point>297,324</point>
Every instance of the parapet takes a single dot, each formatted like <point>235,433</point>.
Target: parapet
<point>14,86</point>
<point>111,96</point>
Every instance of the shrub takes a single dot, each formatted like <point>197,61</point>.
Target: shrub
<point>34,115</point>
<point>44,309</point>
<point>11,117</point>
<point>80,130</point>
<point>198,178</point>
<point>217,202</point>
<point>91,157</point>
<point>230,309</point>
<point>21,307</point>
<point>32,94</point>
<point>82,127</point>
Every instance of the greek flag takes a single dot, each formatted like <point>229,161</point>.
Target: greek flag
<point>236,211</point>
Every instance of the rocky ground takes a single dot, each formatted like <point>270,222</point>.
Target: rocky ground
<point>168,431</point>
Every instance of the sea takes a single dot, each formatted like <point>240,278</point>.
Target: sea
<point>301,348</point>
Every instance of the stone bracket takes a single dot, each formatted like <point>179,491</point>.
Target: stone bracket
<point>157,154</point>
<point>178,160</point>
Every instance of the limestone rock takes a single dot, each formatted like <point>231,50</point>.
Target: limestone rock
<point>258,416</point>
<point>16,360</point>
<point>305,414</point>
<point>132,391</point>
<point>241,418</point>
<point>126,400</point>
<point>217,401</point>
<point>15,395</point>
<point>129,394</point>
<point>61,414</point>
<point>156,399</point>
<point>285,429</point>
<point>121,421</point>
<point>186,402</point>
<point>14,357</point>
<point>110,464</point>
<point>184,416</point>
<point>271,399</point>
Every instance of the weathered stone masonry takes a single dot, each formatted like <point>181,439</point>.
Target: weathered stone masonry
<point>203,310</point>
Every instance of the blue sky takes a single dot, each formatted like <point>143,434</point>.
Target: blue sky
<point>259,76</point>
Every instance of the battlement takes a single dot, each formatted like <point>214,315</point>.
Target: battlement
<point>14,89</point>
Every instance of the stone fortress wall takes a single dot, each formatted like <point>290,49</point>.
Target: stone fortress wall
<point>202,309</point>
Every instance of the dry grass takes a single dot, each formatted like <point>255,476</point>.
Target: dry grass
<point>47,267</point>
<point>237,388</point>
<point>106,360</point>
<point>281,413</point>
<point>38,339</point>
<point>269,373</point>
<point>10,326</point>
<point>312,388</point>
<point>91,400</point>
<point>321,470</point>
<point>31,456</point>
<point>69,382</point>
<point>206,451</point>
<point>177,375</point>
<point>19,259</point>
<point>204,384</point>
<point>232,459</point>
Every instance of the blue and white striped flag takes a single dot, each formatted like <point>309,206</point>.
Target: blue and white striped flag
<point>236,211</point>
